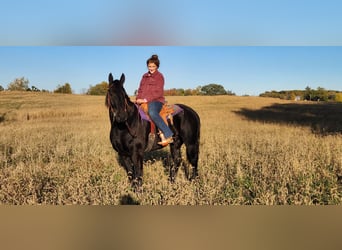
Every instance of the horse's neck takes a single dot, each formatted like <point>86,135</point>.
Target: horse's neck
<point>133,111</point>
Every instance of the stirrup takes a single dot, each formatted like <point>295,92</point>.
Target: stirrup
<point>165,142</point>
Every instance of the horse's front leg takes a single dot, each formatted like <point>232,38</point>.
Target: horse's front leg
<point>128,165</point>
<point>137,159</point>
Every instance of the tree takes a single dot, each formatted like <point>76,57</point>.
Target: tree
<point>230,92</point>
<point>321,94</point>
<point>19,84</point>
<point>98,89</point>
<point>170,92</point>
<point>188,92</point>
<point>35,89</point>
<point>1,88</point>
<point>338,97</point>
<point>213,89</point>
<point>308,94</point>
<point>64,89</point>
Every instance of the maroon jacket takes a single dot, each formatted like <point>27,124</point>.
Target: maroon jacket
<point>152,87</point>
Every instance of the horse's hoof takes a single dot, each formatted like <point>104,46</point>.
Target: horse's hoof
<point>172,179</point>
<point>137,185</point>
<point>194,178</point>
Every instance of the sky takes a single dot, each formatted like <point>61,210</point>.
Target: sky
<point>244,70</point>
<point>247,46</point>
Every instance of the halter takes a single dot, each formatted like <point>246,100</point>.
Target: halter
<point>130,131</point>
<point>110,104</point>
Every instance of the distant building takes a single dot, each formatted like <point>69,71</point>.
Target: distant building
<point>297,98</point>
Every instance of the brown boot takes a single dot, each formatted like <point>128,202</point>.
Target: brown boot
<point>165,141</point>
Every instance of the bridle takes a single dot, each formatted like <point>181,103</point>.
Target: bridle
<point>112,110</point>
<point>109,96</point>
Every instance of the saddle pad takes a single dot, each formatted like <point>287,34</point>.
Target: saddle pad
<point>176,109</point>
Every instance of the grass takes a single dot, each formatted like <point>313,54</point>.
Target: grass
<point>55,149</point>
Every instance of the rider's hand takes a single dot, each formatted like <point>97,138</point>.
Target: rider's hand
<point>140,101</point>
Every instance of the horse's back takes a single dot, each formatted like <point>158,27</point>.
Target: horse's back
<point>190,114</point>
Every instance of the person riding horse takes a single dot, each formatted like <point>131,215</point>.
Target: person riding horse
<point>151,91</point>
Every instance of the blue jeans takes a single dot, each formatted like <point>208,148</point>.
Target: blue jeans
<point>153,110</point>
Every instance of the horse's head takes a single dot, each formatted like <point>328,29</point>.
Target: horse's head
<point>117,99</point>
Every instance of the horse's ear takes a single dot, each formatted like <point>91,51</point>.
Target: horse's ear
<point>110,78</point>
<point>122,78</point>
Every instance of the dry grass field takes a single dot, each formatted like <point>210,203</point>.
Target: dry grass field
<point>55,149</point>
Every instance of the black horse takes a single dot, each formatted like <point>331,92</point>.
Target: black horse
<point>130,134</point>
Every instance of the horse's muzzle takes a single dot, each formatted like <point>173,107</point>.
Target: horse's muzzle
<point>120,118</point>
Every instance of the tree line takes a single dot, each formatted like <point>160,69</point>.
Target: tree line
<point>210,89</point>
<point>309,94</point>
<point>22,84</point>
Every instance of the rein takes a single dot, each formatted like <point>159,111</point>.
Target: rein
<point>130,131</point>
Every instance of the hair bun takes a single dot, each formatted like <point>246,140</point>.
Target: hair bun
<point>153,59</point>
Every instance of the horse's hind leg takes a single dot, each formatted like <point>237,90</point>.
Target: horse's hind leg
<point>176,160</point>
<point>192,151</point>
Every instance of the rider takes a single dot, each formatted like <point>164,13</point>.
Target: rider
<point>151,91</point>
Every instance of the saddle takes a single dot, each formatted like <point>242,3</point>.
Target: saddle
<point>167,112</point>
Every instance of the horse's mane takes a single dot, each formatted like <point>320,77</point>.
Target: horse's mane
<point>107,100</point>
